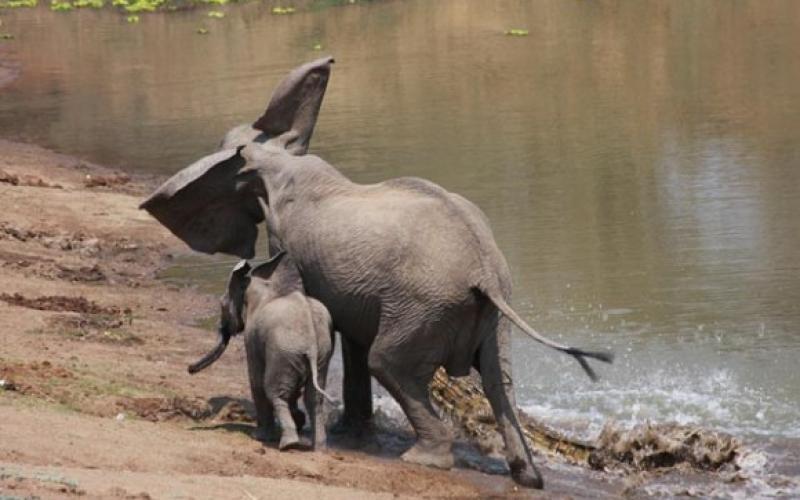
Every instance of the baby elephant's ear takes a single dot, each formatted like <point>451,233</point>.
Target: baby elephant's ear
<point>265,270</point>
<point>292,111</point>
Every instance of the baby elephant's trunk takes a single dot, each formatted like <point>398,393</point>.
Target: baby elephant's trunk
<point>208,359</point>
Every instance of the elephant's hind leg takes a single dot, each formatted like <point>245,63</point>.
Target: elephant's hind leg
<point>265,420</point>
<point>290,440</point>
<point>495,368</point>
<point>297,414</point>
<point>398,367</point>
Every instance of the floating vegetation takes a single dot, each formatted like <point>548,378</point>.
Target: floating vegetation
<point>517,32</point>
<point>6,36</point>
<point>282,11</point>
<point>143,5</point>
<point>16,4</point>
<point>93,4</point>
<point>202,31</point>
<point>138,6</point>
<point>317,46</point>
<point>60,6</point>
<point>326,4</point>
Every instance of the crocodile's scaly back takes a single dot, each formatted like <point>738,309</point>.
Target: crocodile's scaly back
<point>463,400</point>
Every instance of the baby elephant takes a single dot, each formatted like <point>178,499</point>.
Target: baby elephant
<point>289,341</point>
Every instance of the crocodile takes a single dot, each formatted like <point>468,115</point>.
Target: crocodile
<point>644,447</point>
<point>463,402</point>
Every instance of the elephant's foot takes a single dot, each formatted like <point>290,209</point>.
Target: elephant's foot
<point>437,454</point>
<point>265,435</point>
<point>526,475</point>
<point>294,443</point>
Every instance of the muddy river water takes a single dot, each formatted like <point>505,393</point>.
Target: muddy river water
<point>639,163</point>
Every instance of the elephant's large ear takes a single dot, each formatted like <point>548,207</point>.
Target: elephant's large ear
<point>205,205</point>
<point>292,111</point>
<point>265,270</point>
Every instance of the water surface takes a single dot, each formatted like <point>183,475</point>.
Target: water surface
<point>639,161</point>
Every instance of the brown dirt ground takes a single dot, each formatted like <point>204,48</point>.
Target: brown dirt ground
<point>96,401</point>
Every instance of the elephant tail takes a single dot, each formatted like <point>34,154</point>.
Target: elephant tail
<point>312,361</point>
<point>579,354</point>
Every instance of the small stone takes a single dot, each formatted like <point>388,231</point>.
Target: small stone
<point>120,417</point>
<point>7,385</point>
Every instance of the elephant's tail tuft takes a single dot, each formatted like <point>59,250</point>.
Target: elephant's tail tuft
<point>579,354</point>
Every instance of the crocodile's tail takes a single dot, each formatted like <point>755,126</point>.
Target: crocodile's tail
<point>579,354</point>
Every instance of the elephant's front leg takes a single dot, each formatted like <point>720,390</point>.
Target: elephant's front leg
<point>356,390</point>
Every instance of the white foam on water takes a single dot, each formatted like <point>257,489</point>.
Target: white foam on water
<point>715,401</point>
<point>389,415</point>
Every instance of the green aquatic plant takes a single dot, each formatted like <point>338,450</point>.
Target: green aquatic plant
<point>326,4</point>
<point>216,14</point>
<point>143,5</point>
<point>119,3</point>
<point>132,19</point>
<point>517,32</point>
<point>203,31</point>
<point>317,46</point>
<point>94,4</point>
<point>6,36</point>
<point>282,11</point>
<point>16,4</point>
<point>215,2</point>
<point>60,6</point>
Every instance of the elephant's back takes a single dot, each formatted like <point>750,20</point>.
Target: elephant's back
<point>283,324</point>
<point>402,238</point>
<point>459,226</point>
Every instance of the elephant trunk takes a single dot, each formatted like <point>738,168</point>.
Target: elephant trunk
<point>223,339</point>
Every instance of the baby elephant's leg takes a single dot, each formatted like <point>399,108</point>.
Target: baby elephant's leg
<point>265,420</point>
<point>289,438</point>
<point>297,414</point>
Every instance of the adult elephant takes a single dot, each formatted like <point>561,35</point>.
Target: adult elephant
<point>410,272</point>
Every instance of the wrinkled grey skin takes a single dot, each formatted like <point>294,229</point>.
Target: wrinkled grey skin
<point>289,342</point>
<point>410,272</point>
